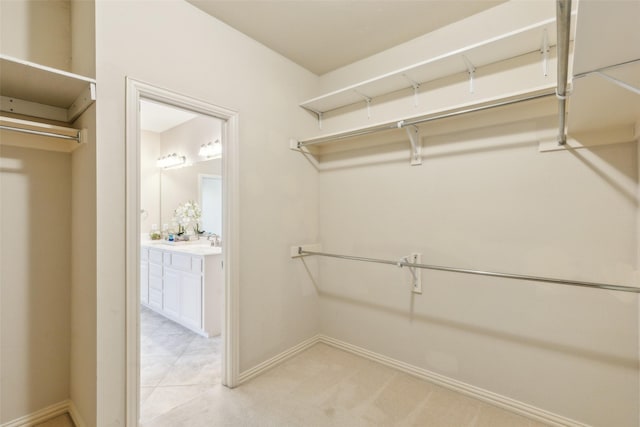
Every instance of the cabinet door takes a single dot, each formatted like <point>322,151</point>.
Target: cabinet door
<point>144,282</point>
<point>171,292</point>
<point>191,300</point>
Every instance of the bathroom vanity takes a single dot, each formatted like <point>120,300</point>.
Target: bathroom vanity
<point>184,283</point>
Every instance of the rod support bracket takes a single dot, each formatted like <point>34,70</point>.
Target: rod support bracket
<point>416,147</point>
<point>471,69</point>
<point>544,50</point>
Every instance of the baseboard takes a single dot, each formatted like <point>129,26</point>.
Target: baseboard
<point>40,416</point>
<point>75,415</point>
<point>270,363</point>
<point>495,399</point>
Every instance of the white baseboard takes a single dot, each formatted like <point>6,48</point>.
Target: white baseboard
<point>495,399</point>
<point>75,415</point>
<point>40,416</point>
<point>270,363</point>
<point>50,412</point>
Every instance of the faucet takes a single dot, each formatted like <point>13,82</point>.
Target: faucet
<point>214,238</point>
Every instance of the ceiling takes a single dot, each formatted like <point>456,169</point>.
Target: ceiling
<point>323,35</point>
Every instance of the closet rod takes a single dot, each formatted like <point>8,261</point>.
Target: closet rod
<point>412,122</point>
<point>563,22</point>
<point>403,263</point>
<point>42,133</point>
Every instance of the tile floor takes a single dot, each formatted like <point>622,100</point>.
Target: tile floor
<point>176,365</point>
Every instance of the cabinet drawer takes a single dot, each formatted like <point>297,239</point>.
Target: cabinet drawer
<point>155,270</point>
<point>155,256</point>
<point>181,262</point>
<point>144,254</point>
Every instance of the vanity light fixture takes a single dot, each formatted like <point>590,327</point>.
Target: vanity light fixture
<point>211,150</point>
<point>170,161</point>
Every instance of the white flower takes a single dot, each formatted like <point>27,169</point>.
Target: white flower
<point>188,214</point>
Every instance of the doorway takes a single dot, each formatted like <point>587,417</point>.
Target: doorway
<point>181,297</point>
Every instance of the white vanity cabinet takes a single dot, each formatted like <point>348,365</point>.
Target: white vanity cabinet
<point>184,285</point>
<point>144,276</point>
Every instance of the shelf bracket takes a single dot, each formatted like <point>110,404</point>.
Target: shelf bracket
<point>471,69</point>
<point>544,50</point>
<point>415,85</point>
<point>367,99</point>
<point>414,137</point>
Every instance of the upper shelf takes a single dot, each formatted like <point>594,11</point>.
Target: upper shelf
<point>522,41</point>
<point>43,92</point>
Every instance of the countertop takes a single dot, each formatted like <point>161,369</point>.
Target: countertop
<point>198,247</point>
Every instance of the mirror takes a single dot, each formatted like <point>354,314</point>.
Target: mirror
<point>167,130</point>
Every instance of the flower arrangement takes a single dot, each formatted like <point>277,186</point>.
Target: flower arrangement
<point>187,215</point>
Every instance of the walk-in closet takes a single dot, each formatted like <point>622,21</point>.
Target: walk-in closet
<point>429,214</point>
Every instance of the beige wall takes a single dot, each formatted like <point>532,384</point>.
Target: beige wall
<point>83,226</point>
<point>485,198</point>
<point>83,272</point>
<point>35,212</point>
<point>189,52</point>
<point>488,200</point>
<point>37,30</point>
<point>150,150</point>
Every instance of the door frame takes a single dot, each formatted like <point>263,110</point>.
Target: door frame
<point>135,91</point>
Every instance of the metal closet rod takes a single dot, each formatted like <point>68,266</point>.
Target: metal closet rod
<point>563,24</point>
<point>413,122</point>
<point>41,133</point>
<point>403,263</point>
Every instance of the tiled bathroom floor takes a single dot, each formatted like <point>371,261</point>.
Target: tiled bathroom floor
<point>175,365</point>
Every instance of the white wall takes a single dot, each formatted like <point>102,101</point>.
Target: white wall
<point>83,272</point>
<point>35,210</point>
<point>83,226</point>
<point>486,199</point>
<point>150,150</point>
<point>187,51</point>
<point>37,31</point>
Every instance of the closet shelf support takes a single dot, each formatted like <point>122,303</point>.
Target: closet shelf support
<point>414,138</point>
<point>544,50</point>
<point>471,69</point>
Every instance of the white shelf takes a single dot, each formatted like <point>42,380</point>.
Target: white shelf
<point>525,40</point>
<point>38,91</point>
